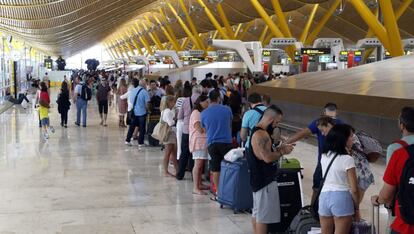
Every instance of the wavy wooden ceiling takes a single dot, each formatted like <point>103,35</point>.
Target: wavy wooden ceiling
<point>68,26</point>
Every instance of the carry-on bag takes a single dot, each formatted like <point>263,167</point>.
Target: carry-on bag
<point>290,196</point>
<point>364,227</point>
<point>234,188</point>
<point>290,163</point>
<point>304,221</point>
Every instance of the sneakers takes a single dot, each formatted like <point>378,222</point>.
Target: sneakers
<point>52,129</point>
<point>77,124</point>
<point>46,136</point>
<point>142,145</point>
<point>128,143</point>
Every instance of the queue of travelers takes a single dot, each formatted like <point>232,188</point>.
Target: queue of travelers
<point>205,120</point>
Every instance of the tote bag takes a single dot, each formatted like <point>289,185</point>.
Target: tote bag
<point>161,131</point>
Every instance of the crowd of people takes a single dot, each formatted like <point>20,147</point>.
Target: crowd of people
<point>205,119</point>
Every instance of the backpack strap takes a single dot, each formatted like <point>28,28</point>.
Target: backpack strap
<point>323,182</point>
<point>402,142</point>
<point>410,151</point>
<point>256,108</point>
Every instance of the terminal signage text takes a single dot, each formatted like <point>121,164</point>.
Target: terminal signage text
<point>315,51</point>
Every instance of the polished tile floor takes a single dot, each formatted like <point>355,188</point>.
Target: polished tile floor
<point>85,180</point>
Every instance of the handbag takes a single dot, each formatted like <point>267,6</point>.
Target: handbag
<point>315,205</point>
<point>131,113</point>
<point>161,131</point>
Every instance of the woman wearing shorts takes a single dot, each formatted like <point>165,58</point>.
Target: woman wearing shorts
<point>339,199</point>
<point>168,117</point>
<point>198,143</point>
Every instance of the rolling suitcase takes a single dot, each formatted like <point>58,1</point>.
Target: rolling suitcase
<point>290,196</point>
<point>234,188</point>
<point>290,163</point>
<point>364,227</point>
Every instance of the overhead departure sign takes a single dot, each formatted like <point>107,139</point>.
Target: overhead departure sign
<point>357,56</point>
<point>266,53</point>
<point>315,51</point>
<point>298,57</point>
<point>48,63</point>
<point>343,56</point>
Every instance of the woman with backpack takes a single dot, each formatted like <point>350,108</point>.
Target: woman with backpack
<point>63,104</point>
<point>198,143</point>
<point>339,197</point>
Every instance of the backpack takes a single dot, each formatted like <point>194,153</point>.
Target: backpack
<point>406,189</point>
<point>304,221</point>
<point>86,93</point>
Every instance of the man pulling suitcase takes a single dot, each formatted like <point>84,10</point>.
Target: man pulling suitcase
<point>262,160</point>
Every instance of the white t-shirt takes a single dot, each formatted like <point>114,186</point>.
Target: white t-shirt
<point>337,179</point>
<point>168,117</point>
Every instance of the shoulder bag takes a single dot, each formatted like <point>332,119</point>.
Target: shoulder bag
<point>161,130</point>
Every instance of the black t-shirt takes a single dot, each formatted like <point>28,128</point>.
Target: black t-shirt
<point>102,92</point>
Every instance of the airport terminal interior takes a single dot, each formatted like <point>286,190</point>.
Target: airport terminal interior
<point>207,116</point>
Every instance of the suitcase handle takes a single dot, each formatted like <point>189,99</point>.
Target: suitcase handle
<point>375,228</point>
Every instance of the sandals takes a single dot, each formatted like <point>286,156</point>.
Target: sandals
<point>199,193</point>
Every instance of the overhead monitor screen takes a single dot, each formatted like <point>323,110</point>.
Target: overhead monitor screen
<point>325,59</point>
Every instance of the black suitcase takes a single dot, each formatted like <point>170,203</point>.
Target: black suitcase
<point>290,195</point>
<point>152,122</point>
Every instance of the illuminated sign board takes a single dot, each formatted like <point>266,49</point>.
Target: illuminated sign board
<point>48,63</point>
<point>315,51</point>
<point>343,56</point>
<point>357,56</point>
<point>266,53</point>
<point>298,57</point>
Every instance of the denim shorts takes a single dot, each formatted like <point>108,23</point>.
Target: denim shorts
<point>45,122</point>
<point>336,204</point>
